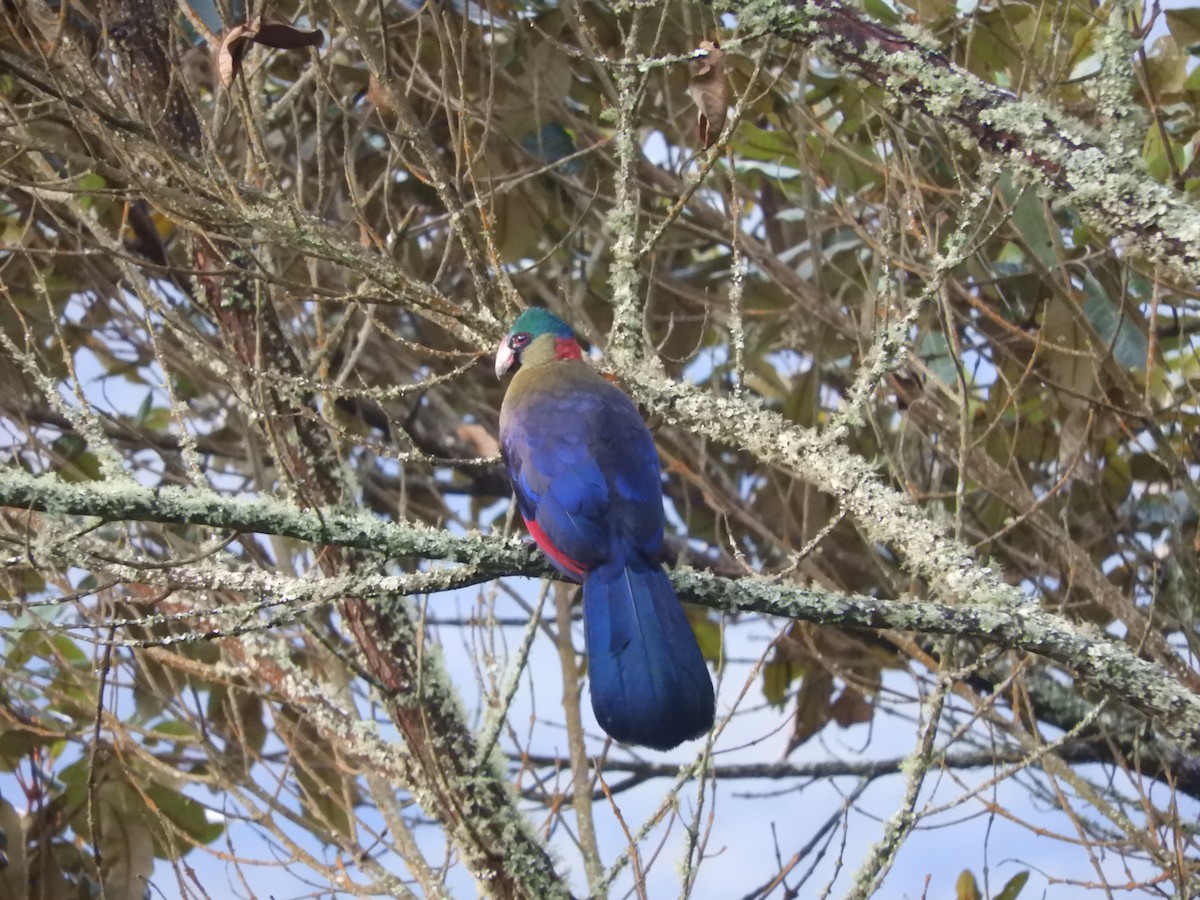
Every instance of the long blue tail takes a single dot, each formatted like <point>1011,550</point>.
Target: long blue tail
<point>649,683</point>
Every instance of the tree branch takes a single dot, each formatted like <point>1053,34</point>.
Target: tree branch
<point>1109,187</point>
<point>1098,661</point>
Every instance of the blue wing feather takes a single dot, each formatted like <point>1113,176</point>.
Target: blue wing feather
<point>650,685</point>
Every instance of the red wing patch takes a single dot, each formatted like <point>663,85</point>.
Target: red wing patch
<point>565,562</point>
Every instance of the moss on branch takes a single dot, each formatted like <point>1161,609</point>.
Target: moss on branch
<point>1099,662</point>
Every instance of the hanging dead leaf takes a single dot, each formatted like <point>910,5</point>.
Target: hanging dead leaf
<point>812,708</point>
<point>229,57</point>
<point>480,439</point>
<point>851,708</point>
<point>710,92</point>
<point>286,36</point>
<point>379,97</point>
<point>268,32</point>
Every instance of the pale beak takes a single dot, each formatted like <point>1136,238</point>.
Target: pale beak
<point>505,357</point>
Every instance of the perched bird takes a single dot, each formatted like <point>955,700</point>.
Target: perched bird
<point>587,479</point>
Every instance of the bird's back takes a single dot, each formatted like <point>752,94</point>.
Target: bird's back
<point>583,463</point>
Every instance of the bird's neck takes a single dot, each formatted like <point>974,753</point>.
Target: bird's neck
<point>567,348</point>
<point>549,370</point>
<point>548,348</point>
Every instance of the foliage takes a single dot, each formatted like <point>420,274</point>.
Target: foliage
<point>912,320</point>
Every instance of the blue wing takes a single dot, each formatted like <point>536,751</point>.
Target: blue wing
<point>584,467</point>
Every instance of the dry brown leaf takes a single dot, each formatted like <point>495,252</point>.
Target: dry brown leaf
<point>268,32</point>
<point>478,437</point>
<point>286,36</point>
<point>379,97</point>
<point>710,92</point>
<point>812,707</point>
<point>229,57</point>
<point>851,708</point>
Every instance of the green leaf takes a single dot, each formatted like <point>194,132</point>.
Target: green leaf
<point>236,715</point>
<point>1184,25</point>
<point>766,144</point>
<point>16,745</point>
<point>156,419</point>
<point>89,184</point>
<point>775,171</point>
<point>966,888</point>
<point>1166,68</point>
<point>1129,345</point>
<point>126,842</point>
<point>1014,886</point>
<point>173,728</point>
<point>92,181</point>
<point>934,349</point>
<point>1158,157</point>
<point>329,791</point>
<point>14,876</point>
<point>881,11</point>
<point>185,814</point>
<point>708,635</point>
<point>803,403</point>
<point>1115,480</point>
<point>146,406</point>
<point>777,677</point>
<point>70,652</point>
<point>84,467</point>
<point>1031,220</point>
<point>328,799</point>
<point>997,32</point>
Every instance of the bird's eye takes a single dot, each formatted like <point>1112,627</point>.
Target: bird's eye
<point>519,340</point>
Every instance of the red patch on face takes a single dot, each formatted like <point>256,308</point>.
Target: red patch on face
<point>551,551</point>
<point>567,348</point>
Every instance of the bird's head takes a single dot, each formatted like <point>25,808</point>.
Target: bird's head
<point>538,336</point>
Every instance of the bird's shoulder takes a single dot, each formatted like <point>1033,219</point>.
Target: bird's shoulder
<point>566,387</point>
